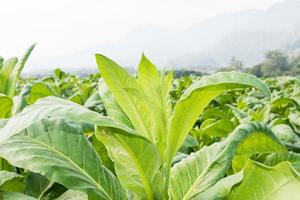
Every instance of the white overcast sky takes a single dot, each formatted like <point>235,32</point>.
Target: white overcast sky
<point>65,26</point>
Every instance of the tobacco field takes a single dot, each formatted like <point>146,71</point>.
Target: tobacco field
<point>149,135</point>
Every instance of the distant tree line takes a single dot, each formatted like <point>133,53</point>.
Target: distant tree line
<point>276,63</point>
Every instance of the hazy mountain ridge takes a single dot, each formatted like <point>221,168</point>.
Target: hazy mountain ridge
<point>245,34</point>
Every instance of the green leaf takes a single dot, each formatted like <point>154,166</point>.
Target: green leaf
<point>188,145</point>
<point>7,176</point>
<point>11,182</point>
<point>221,190</point>
<point>219,128</point>
<point>113,109</point>
<point>198,96</point>
<point>73,195</point>
<point>138,165</point>
<point>156,88</point>
<point>6,70</point>
<point>31,92</point>
<point>216,112</point>
<point>102,152</point>
<point>16,72</point>
<point>94,103</point>
<point>275,158</point>
<point>6,105</point>
<point>137,162</point>
<point>285,133</point>
<point>16,196</point>
<point>56,107</point>
<point>127,93</point>
<point>201,170</point>
<point>40,187</point>
<point>59,151</point>
<point>145,100</point>
<point>275,183</point>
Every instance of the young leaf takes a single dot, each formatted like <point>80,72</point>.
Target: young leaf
<point>127,93</point>
<point>16,72</point>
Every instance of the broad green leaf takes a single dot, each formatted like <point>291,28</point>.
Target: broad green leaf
<point>184,174</point>
<point>6,106</point>
<point>268,183</point>
<point>56,107</point>
<point>59,151</point>
<point>127,93</point>
<point>201,170</point>
<point>137,162</point>
<point>198,96</point>
<point>221,190</point>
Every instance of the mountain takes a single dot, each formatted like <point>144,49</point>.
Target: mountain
<point>246,34</point>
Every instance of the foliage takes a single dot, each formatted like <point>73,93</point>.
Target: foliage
<point>116,136</point>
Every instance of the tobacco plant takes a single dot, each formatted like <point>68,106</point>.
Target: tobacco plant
<point>132,152</point>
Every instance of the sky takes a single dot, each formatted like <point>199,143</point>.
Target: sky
<point>66,26</point>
